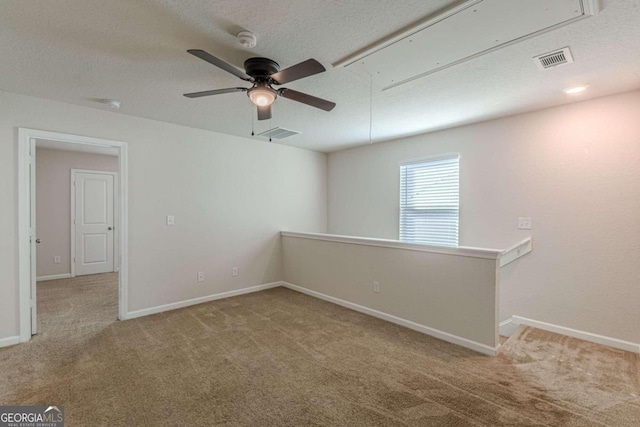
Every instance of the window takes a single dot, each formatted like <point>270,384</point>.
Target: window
<point>429,201</point>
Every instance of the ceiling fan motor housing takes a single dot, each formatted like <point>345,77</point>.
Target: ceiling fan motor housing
<point>261,68</point>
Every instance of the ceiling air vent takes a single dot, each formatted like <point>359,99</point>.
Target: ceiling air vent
<point>553,59</point>
<point>278,133</point>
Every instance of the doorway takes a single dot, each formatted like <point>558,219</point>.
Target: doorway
<point>101,250</point>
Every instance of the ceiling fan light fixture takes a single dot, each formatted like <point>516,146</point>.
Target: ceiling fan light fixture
<point>262,96</point>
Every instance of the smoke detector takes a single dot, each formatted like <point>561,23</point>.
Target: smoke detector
<point>247,39</point>
<point>553,59</point>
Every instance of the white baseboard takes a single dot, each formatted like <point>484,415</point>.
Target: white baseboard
<point>6,342</point>
<point>200,300</point>
<point>507,327</point>
<point>454,339</point>
<point>53,277</point>
<point>586,336</point>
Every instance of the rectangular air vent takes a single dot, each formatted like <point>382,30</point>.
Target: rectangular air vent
<point>278,133</point>
<point>553,59</point>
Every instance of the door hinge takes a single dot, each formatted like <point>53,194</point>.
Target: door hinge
<point>31,303</point>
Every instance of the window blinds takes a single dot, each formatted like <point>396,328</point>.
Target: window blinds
<point>429,201</point>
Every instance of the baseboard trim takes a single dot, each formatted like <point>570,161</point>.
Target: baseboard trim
<point>586,336</point>
<point>186,303</point>
<point>6,342</point>
<point>454,339</point>
<point>53,277</point>
<point>506,328</point>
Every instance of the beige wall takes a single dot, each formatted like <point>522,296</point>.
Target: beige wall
<point>231,196</point>
<point>575,170</point>
<point>449,293</point>
<point>53,201</point>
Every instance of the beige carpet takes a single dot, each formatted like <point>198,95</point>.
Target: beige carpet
<point>280,358</point>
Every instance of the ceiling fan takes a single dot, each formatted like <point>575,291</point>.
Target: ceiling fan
<point>264,73</point>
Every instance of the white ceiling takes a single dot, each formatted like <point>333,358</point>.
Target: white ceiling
<point>78,51</point>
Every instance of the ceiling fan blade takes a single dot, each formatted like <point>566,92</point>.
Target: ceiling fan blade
<point>313,101</point>
<point>298,71</point>
<point>215,92</point>
<point>264,113</point>
<point>205,56</point>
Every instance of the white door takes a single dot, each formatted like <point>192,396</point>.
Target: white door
<point>94,222</point>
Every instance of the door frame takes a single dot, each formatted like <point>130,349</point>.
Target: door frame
<point>116,220</point>
<point>26,200</point>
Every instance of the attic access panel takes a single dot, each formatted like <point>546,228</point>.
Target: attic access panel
<point>469,30</point>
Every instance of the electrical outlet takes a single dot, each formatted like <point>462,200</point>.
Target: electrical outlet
<point>56,260</point>
<point>234,271</point>
<point>524,223</point>
<point>171,220</point>
<point>376,287</point>
<point>201,276</point>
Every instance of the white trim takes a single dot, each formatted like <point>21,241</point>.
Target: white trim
<point>454,339</point>
<point>53,277</point>
<point>24,235</point>
<point>345,62</point>
<point>6,342</point>
<point>396,244</point>
<point>200,300</point>
<point>72,216</point>
<point>516,251</point>
<point>24,206</point>
<point>507,327</point>
<point>591,7</point>
<point>586,336</point>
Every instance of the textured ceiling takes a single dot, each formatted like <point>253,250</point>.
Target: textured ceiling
<point>77,51</point>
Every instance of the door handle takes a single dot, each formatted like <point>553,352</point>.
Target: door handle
<point>110,228</point>
<point>38,240</point>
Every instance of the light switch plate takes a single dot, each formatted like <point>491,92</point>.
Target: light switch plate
<point>524,224</point>
<point>56,260</point>
<point>200,276</point>
<point>171,220</point>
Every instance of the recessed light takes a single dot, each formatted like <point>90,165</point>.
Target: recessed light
<point>575,89</point>
<point>112,103</point>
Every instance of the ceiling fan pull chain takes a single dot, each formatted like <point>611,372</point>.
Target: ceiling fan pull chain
<point>252,125</point>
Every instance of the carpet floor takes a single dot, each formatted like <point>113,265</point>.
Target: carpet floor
<point>281,358</point>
